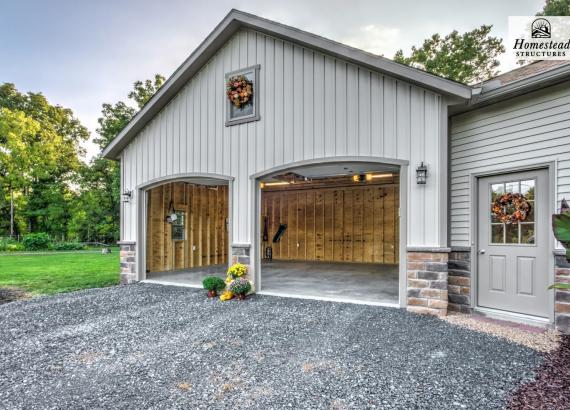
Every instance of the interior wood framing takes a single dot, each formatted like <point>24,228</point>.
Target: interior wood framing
<point>206,226</point>
<point>350,223</point>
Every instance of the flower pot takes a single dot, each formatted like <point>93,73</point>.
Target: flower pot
<point>212,293</point>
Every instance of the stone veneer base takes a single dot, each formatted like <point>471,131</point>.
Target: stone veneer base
<point>427,281</point>
<point>127,257</point>
<point>562,297</point>
<point>459,280</point>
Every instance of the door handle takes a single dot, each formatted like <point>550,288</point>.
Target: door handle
<point>482,251</point>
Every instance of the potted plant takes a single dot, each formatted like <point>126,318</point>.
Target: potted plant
<point>213,285</point>
<point>240,287</point>
<point>237,270</point>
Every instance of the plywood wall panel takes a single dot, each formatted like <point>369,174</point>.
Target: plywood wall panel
<point>206,238</point>
<point>349,223</point>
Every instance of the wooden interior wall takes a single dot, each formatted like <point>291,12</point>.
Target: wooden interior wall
<point>351,224</point>
<point>206,234</point>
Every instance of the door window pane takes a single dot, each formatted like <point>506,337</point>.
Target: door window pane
<point>178,231</point>
<point>497,190</point>
<point>530,215</point>
<point>520,232</point>
<point>512,233</point>
<point>527,233</point>
<point>497,232</point>
<point>512,186</point>
<point>527,189</point>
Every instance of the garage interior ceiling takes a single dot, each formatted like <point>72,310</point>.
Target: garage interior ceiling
<point>335,170</point>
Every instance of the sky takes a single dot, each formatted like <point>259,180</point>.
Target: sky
<point>81,54</point>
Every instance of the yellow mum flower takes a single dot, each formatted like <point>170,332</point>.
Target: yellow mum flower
<point>227,295</point>
<point>237,270</point>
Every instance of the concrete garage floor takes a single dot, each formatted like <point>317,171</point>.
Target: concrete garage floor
<point>187,277</point>
<point>356,282</point>
<point>362,282</point>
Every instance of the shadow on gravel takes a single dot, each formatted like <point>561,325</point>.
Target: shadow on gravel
<point>8,295</point>
<point>551,387</point>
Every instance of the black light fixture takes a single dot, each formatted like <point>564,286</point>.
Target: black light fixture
<point>127,194</point>
<point>421,174</point>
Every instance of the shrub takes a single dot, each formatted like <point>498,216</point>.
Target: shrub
<point>240,286</point>
<point>68,246</point>
<point>36,241</point>
<point>213,283</point>
<point>13,247</point>
<point>10,245</point>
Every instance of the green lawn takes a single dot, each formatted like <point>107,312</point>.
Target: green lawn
<point>46,274</point>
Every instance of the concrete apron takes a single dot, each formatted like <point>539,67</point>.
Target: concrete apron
<point>368,284</point>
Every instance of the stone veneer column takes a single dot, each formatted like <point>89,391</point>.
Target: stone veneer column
<point>562,297</point>
<point>128,262</point>
<point>459,280</point>
<point>427,280</point>
<point>241,253</point>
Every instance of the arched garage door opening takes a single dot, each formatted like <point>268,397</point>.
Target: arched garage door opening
<point>187,232</point>
<point>332,231</point>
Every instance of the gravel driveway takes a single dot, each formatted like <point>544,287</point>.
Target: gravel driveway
<point>152,346</point>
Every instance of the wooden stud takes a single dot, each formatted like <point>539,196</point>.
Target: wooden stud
<point>347,223</point>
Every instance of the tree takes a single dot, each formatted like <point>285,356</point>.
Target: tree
<point>41,148</point>
<point>17,133</point>
<point>555,8</point>
<point>467,58</point>
<point>97,213</point>
<point>116,117</point>
<point>144,91</point>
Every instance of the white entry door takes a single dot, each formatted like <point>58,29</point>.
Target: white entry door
<point>513,258</point>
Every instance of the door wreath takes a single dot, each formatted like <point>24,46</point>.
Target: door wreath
<point>239,90</point>
<point>511,208</point>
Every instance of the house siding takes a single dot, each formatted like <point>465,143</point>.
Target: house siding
<point>524,131</point>
<point>312,106</point>
<point>527,131</point>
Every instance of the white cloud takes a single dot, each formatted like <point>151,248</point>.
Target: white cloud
<point>375,39</point>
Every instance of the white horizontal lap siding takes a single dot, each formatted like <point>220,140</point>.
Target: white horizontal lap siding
<point>531,129</point>
<point>312,106</point>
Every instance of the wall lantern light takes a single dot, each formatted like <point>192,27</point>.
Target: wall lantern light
<point>127,194</point>
<point>421,174</point>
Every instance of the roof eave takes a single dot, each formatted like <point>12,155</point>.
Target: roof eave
<point>522,86</point>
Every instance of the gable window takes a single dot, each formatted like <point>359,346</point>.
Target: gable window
<point>242,96</point>
<point>178,226</point>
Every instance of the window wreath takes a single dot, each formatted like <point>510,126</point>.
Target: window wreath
<point>239,90</point>
<point>511,208</point>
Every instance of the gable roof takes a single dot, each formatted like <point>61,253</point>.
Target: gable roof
<point>526,71</point>
<point>235,20</point>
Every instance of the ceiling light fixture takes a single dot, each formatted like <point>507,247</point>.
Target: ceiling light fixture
<point>266,184</point>
<point>382,175</point>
